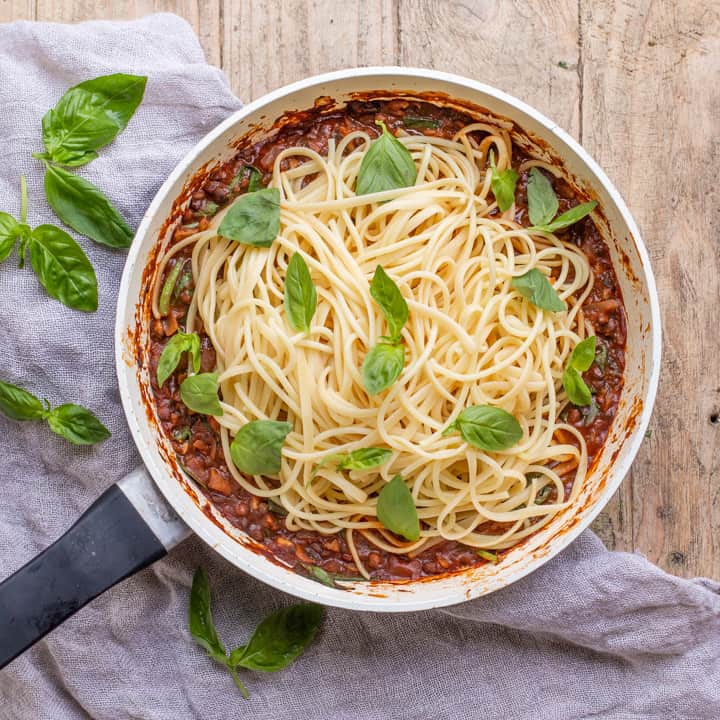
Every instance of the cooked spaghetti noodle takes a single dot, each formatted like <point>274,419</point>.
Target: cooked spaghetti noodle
<point>470,339</point>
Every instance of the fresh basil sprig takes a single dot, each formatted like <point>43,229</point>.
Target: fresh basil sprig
<point>387,165</point>
<point>385,361</point>
<point>61,266</point>
<point>256,448</point>
<point>277,641</point>
<point>178,344</point>
<point>300,294</point>
<point>89,116</point>
<point>580,360</point>
<point>503,185</point>
<point>72,422</point>
<point>486,427</point>
<point>535,286</point>
<point>396,509</point>
<point>199,393</point>
<point>361,459</point>
<point>253,219</point>
<point>543,204</point>
<point>84,208</point>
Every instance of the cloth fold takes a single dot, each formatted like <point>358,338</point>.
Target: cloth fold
<point>591,634</point>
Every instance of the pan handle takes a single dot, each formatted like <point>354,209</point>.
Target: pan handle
<point>126,529</point>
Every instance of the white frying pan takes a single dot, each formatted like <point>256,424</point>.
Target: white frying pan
<point>142,517</point>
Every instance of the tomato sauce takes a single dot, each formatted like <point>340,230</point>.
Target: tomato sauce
<point>195,438</point>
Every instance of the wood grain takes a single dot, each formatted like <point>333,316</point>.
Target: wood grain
<point>636,82</point>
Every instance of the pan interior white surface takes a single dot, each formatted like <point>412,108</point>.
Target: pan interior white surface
<point>642,355</point>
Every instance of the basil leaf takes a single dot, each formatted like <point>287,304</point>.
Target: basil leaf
<point>210,208</point>
<point>254,179</point>
<point>364,458</point>
<point>601,357</point>
<point>542,201</point>
<point>567,218</point>
<point>487,428</point>
<point>84,208</point>
<point>253,219</point>
<point>503,186</point>
<point>19,404</point>
<point>535,286</point>
<point>178,344</point>
<point>10,229</point>
<point>202,627</point>
<point>387,295</point>
<point>382,367</point>
<point>591,413</point>
<point>489,556</point>
<point>396,509</point>
<point>322,576</point>
<point>166,293</point>
<point>583,354</point>
<point>387,165</point>
<point>63,268</point>
<point>257,447</point>
<point>89,116</point>
<point>281,637</point>
<point>577,391</point>
<point>199,393</point>
<point>415,121</point>
<point>77,425</point>
<point>300,294</point>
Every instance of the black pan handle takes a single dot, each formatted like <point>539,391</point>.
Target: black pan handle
<point>126,529</point>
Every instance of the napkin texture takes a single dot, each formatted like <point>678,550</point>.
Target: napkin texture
<point>591,634</point>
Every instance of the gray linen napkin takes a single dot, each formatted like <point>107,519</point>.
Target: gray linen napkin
<point>591,634</point>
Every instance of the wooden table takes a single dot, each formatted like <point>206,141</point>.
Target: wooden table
<point>638,84</point>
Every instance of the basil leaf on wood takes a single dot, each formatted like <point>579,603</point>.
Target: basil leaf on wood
<point>84,208</point>
<point>199,393</point>
<point>583,354</point>
<point>300,294</point>
<point>10,230</point>
<point>387,165</point>
<point>382,367</point>
<point>570,217</point>
<point>486,427</point>
<point>417,122</point>
<point>503,185</point>
<point>19,404</point>
<point>388,297</point>
<point>89,116</point>
<point>280,638</point>
<point>542,200</point>
<point>257,447</point>
<point>535,286</point>
<point>396,509</point>
<point>577,391</point>
<point>253,219</point>
<point>63,268</point>
<point>178,344</point>
<point>76,424</point>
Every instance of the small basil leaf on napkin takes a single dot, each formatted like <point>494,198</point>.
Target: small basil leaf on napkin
<point>10,230</point>
<point>256,448</point>
<point>178,344</point>
<point>396,509</point>
<point>382,367</point>
<point>387,295</point>
<point>89,116</point>
<point>199,393</point>
<point>76,424</point>
<point>19,404</point>
<point>569,217</point>
<point>542,201</point>
<point>535,286</point>
<point>577,391</point>
<point>253,219</point>
<point>84,208</point>
<point>486,427</point>
<point>63,268</point>
<point>387,165</point>
<point>280,638</point>
<point>503,185</point>
<point>300,294</point>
